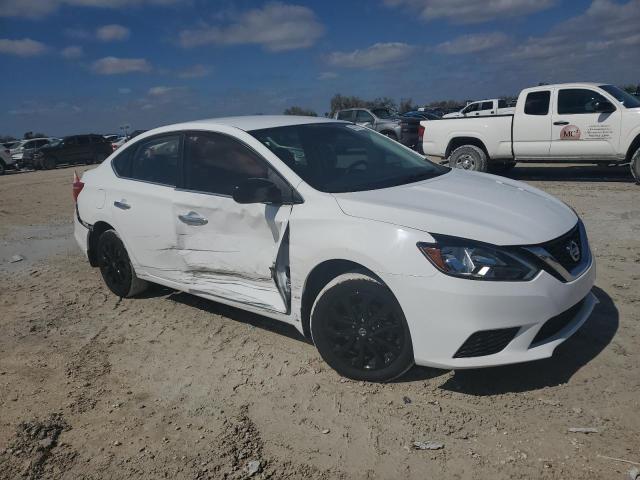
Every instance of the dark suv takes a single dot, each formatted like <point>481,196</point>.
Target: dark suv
<point>74,149</point>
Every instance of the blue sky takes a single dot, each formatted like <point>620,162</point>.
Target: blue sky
<point>74,66</point>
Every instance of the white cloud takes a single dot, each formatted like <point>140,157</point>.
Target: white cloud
<point>471,11</point>
<point>124,90</point>
<point>112,33</point>
<point>472,43</point>
<point>376,56</point>
<point>25,47</point>
<point>195,71</point>
<point>71,52</point>
<point>162,91</point>
<point>327,76</point>
<point>114,65</point>
<point>41,8</point>
<point>276,27</point>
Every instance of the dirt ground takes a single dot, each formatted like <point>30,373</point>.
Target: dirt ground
<point>172,386</point>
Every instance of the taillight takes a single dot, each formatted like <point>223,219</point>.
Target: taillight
<point>420,133</point>
<point>77,186</point>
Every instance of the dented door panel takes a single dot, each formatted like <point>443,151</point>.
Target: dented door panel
<point>233,253</point>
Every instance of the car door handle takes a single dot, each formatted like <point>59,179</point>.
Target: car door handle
<point>561,123</point>
<point>122,205</point>
<point>193,218</point>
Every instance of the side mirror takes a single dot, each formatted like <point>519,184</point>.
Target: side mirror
<point>604,106</point>
<point>257,190</point>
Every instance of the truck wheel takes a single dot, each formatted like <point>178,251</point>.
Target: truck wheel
<point>635,166</point>
<point>468,157</point>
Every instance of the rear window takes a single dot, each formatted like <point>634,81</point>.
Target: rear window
<point>537,103</point>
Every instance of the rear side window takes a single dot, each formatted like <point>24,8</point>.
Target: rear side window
<point>502,104</point>
<point>122,163</point>
<point>156,160</point>
<point>345,115</point>
<point>537,103</point>
<point>578,100</point>
<point>486,106</point>
<point>216,163</point>
<point>364,117</point>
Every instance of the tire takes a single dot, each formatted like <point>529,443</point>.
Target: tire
<point>116,269</point>
<point>49,163</point>
<point>360,330</point>
<point>469,157</point>
<point>635,166</point>
<point>3,168</point>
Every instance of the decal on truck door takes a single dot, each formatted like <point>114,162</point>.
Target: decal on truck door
<point>570,132</point>
<point>599,132</point>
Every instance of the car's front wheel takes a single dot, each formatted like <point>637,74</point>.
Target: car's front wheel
<point>115,266</point>
<point>360,330</point>
<point>49,163</point>
<point>3,168</point>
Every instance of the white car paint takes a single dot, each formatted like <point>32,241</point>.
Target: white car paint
<point>586,137</point>
<point>482,108</point>
<point>228,259</point>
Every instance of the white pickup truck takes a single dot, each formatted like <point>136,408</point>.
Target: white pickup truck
<point>494,106</point>
<point>566,123</point>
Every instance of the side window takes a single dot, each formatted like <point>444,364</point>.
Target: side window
<point>216,163</point>
<point>471,108</point>
<point>83,140</point>
<point>156,160</point>
<point>578,100</point>
<point>362,116</point>
<point>487,106</point>
<point>502,103</point>
<point>122,163</point>
<point>345,115</point>
<point>537,103</point>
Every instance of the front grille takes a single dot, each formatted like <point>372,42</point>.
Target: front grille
<point>486,342</point>
<point>560,249</point>
<point>555,324</point>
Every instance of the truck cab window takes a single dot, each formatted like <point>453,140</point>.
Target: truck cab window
<point>537,103</point>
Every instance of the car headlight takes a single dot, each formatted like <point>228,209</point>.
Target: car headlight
<point>473,260</point>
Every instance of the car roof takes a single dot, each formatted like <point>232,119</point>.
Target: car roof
<point>248,122</point>
<point>572,84</point>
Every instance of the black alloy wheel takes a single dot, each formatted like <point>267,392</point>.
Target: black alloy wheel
<point>115,266</point>
<point>360,330</point>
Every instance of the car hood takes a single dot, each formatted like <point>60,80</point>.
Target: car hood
<point>464,204</point>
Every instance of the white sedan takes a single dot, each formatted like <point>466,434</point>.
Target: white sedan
<point>383,259</point>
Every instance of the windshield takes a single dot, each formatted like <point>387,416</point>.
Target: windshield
<point>382,113</point>
<point>624,98</point>
<point>339,157</point>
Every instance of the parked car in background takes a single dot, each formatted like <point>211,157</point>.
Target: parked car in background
<point>566,123</point>
<point>24,149</point>
<point>380,119</point>
<point>118,143</point>
<point>410,126</point>
<point>5,160</point>
<point>11,144</point>
<point>493,106</point>
<point>379,257</point>
<point>73,149</point>
<point>112,137</point>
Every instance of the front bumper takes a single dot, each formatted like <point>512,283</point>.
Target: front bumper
<point>443,312</point>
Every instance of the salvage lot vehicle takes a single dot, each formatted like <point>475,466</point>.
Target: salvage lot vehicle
<point>352,238</point>
<point>570,123</point>
<point>5,160</point>
<point>410,127</point>
<point>73,149</point>
<point>379,119</point>
<point>494,106</point>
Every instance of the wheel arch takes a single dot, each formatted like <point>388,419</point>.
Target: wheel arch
<point>320,276</point>
<point>633,147</point>
<point>457,142</point>
<point>92,243</point>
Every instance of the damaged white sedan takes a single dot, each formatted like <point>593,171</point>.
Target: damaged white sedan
<point>383,259</point>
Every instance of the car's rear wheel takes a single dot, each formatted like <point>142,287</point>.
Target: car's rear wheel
<point>115,266</point>
<point>360,330</point>
<point>469,157</point>
<point>49,163</point>
<point>635,166</point>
